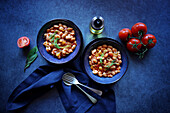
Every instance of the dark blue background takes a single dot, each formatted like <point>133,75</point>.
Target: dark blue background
<point>144,88</point>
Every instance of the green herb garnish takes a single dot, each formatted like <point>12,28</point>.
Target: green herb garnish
<point>52,36</point>
<point>66,46</point>
<point>32,55</point>
<point>108,66</point>
<point>55,43</point>
<point>57,46</point>
<point>101,62</point>
<point>52,39</point>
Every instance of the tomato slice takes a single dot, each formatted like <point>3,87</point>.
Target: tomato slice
<point>23,42</point>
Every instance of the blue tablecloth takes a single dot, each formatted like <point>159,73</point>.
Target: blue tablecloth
<point>145,86</point>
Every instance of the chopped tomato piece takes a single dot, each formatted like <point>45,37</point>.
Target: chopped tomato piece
<point>23,42</point>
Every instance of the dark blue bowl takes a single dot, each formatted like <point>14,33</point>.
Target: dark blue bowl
<point>49,57</point>
<point>94,44</point>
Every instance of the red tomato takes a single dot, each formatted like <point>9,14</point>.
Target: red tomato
<point>149,40</point>
<point>139,28</point>
<point>124,34</point>
<point>23,42</point>
<point>134,45</point>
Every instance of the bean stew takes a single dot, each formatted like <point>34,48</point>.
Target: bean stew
<point>60,40</point>
<point>105,61</point>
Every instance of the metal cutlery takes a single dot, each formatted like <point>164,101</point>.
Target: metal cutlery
<point>92,99</point>
<point>70,78</point>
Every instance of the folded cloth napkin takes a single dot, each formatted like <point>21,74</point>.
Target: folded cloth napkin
<point>74,101</point>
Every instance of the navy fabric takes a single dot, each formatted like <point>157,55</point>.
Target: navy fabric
<point>74,101</point>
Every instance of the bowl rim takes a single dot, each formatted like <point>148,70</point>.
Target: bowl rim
<point>81,41</point>
<point>93,42</point>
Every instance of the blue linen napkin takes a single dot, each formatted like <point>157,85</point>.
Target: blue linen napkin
<point>74,101</point>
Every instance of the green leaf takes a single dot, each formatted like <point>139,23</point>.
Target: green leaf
<point>66,46</point>
<point>101,58</point>
<point>32,55</point>
<point>52,36</point>
<point>32,52</point>
<point>57,46</point>
<point>26,66</point>
<point>55,43</point>
<point>101,62</point>
<point>108,66</point>
<point>30,60</point>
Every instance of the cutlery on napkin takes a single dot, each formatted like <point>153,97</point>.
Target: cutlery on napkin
<point>70,78</point>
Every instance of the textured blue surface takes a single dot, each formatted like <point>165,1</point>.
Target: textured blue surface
<point>145,86</point>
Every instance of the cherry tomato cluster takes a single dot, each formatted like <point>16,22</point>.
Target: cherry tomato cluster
<point>137,40</point>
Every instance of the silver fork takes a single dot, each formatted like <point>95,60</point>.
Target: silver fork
<point>92,99</point>
<point>70,78</point>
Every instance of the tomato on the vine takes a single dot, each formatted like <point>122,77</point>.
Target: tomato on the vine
<point>23,42</point>
<point>149,40</point>
<point>124,34</point>
<point>139,29</point>
<point>134,45</point>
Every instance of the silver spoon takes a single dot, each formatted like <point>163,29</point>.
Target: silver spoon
<point>92,99</point>
<point>70,78</point>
